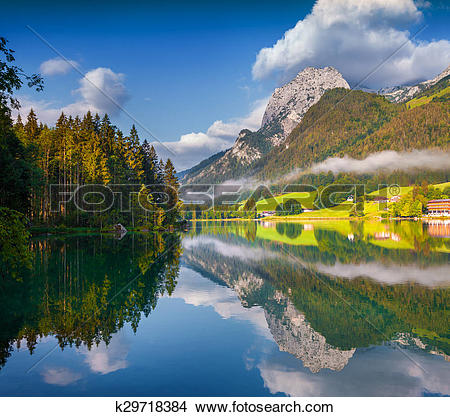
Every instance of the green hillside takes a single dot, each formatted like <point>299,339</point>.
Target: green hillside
<point>371,208</point>
<point>357,123</point>
<point>331,127</point>
<point>415,102</point>
<point>405,190</point>
<point>438,92</point>
<point>270,204</point>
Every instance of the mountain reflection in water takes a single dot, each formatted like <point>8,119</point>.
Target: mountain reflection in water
<point>324,308</point>
<point>325,294</point>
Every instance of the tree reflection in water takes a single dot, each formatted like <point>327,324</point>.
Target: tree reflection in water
<point>289,282</point>
<point>83,289</point>
<point>326,288</point>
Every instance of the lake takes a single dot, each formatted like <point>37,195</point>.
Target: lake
<point>231,309</point>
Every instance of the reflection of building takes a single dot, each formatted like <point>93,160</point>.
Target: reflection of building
<point>267,225</point>
<point>267,213</point>
<point>382,235</point>
<point>395,237</point>
<point>438,228</point>
<point>439,207</point>
<point>387,235</point>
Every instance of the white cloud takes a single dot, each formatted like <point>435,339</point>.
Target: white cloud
<point>60,376</point>
<point>387,161</point>
<point>390,274</point>
<point>197,290</point>
<point>244,253</point>
<point>193,147</point>
<point>101,91</point>
<point>393,372</point>
<point>355,37</point>
<point>57,66</point>
<point>104,359</point>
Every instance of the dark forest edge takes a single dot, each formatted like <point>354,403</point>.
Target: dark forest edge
<point>76,151</point>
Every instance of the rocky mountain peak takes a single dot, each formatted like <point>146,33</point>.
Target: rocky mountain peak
<point>283,113</point>
<point>289,103</point>
<point>400,94</point>
<point>442,75</point>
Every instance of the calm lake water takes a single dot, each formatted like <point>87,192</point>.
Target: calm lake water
<point>252,309</point>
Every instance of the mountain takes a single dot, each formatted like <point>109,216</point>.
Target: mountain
<point>201,165</point>
<point>315,117</point>
<point>401,94</point>
<point>357,124</point>
<point>286,108</point>
<point>288,326</point>
<point>438,92</point>
<point>288,104</point>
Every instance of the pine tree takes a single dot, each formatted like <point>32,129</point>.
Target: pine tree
<point>31,127</point>
<point>19,123</point>
<point>107,134</point>
<point>89,150</point>
<point>172,185</point>
<point>97,123</point>
<point>134,156</point>
<point>150,164</point>
<point>170,175</point>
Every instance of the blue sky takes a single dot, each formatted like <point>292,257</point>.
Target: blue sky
<point>193,73</point>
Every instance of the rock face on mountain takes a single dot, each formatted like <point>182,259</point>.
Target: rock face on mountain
<point>289,103</point>
<point>401,94</point>
<point>288,326</point>
<point>294,335</point>
<point>285,110</point>
<point>309,119</point>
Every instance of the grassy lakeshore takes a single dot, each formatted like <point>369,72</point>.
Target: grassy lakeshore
<point>391,235</point>
<point>372,209</point>
<point>58,230</point>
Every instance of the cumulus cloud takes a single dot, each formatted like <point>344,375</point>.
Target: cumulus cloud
<point>197,290</point>
<point>356,37</point>
<point>104,359</point>
<point>387,161</point>
<point>193,147</point>
<point>104,89</point>
<point>60,376</point>
<point>392,372</point>
<point>244,253</point>
<point>101,90</point>
<point>390,274</point>
<point>57,66</point>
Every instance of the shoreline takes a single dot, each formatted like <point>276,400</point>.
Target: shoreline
<point>297,219</point>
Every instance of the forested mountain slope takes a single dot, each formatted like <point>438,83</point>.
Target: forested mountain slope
<point>285,109</point>
<point>337,122</point>
<point>331,122</point>
<point>357,124</point>
<point>401,94</point>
